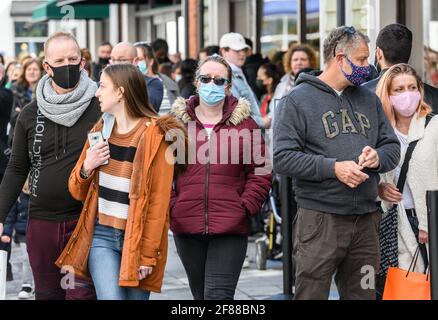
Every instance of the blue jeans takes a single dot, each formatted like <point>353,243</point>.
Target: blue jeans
<point>104,265</point>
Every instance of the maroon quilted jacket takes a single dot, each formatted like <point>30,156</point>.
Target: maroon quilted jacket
<point>220,190</point>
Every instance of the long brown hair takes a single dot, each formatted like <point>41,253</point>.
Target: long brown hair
<point>129,78</point>
<point>384,89</point>
<point>22,79</point>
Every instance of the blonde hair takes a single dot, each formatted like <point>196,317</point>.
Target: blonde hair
<point>384,89</point>
<point>60,35</point>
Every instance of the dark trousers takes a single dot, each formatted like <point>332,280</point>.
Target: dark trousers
<point>328,244</point>
<point>212,264</point>
<point>45,242</point>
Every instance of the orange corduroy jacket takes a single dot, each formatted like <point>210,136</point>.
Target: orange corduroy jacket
<point>146,231</point>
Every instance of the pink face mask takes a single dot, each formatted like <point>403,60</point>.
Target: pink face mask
<point>406,103</point>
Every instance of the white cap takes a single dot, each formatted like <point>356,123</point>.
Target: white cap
<point>233,41</point>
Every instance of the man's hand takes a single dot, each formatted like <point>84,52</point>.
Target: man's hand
<point>423,237</point>
<point>369,158</point>
<point>26,189</point>
<point>143,272</point>
<point>350,173</point>
<point>1,228</point>
<point>389,192</point>
<point>6,239</point>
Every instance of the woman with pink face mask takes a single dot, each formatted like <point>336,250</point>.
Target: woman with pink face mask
<point>402,95</point>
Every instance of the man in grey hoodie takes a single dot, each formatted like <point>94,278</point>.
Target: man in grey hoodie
<point>333,138</point>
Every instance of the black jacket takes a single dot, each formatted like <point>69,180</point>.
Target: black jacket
<point>250,68</point>
<point>18,216</point>
<point>186,88</point>
<point>21,99</point>
<point>6,102</point>
<point>48,151</point>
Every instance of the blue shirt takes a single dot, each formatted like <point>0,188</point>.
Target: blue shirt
<point>155,91</point>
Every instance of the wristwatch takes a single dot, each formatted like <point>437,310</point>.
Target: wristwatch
<point>83,174</point>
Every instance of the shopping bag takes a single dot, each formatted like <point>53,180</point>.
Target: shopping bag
<point>406,284</point>
<point>3,267</point>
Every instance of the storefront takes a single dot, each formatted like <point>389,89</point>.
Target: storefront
<point>147,20</point>
<point>272,25</point>
<point>19,35</point>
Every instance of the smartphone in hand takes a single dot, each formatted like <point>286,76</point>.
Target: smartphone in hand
<point>95,138</point>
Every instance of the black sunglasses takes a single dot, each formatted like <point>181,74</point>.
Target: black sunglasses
<point>217,81</point>
<point>349,31</point>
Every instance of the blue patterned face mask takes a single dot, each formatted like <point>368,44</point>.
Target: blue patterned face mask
<point>211,94</point>
<point>358,75</point>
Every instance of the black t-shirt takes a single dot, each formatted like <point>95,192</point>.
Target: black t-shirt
<point>48,151</point>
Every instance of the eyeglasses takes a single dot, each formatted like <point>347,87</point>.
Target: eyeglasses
<point>217,81</point>
<point>349,31</point>
<point>119,61</point>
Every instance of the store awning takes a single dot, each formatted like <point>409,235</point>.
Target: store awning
<point>24,8</point>
<point>156,3</point>
<point>51,11</point>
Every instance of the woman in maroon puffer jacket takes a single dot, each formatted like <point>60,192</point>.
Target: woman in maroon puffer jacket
<point>227,179</point>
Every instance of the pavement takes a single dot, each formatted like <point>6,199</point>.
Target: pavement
<point>253,284</point>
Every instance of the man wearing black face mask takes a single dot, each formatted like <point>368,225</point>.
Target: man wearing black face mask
<point>104,55</point>
<point>49,135</point>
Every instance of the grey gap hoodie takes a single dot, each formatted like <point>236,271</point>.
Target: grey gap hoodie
<point>315,128</point>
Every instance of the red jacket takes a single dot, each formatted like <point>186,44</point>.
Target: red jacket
<point>219,196</point>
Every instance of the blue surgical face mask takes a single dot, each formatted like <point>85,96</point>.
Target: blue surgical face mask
<point>211,94</point>
<point>358,75</point>
<point>142,66</point>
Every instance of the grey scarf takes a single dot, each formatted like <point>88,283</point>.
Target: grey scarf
<point>65,109</point>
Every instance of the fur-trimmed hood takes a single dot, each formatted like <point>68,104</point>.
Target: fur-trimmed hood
<point>235,110</point>
<point>168,124</point>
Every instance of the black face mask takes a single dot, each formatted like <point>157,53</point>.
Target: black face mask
<point>67,77</point>
<point>260,86</point>
<point>104,61</point>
